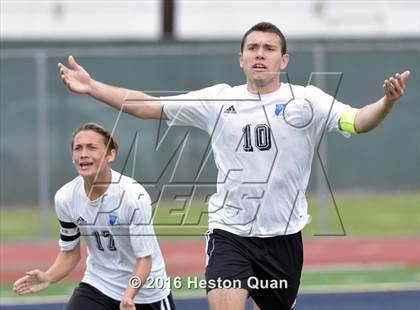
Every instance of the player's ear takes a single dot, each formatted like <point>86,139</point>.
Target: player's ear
<point>111,156</point>
<point>284,61</point>
<point>240,59</point>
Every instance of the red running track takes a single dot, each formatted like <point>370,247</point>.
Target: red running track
<point>186,257</point>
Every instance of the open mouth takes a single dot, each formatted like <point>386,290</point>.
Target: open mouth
<point>259,66</point>
<point>85,166</point>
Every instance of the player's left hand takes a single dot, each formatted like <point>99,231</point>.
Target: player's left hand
<point>34,281</point>
<point>394,87</point>
<point>127,304</point>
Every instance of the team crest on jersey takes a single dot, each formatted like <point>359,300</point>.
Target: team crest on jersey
<point>112,219</point>
<point>279,110</point>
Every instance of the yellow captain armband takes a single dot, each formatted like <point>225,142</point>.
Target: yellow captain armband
<point>347,120</point>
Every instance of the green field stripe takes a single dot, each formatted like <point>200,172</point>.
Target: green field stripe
<point>361,279</point>
<point>379,214</point>
<point>60,289</point>
<point>361,275</point>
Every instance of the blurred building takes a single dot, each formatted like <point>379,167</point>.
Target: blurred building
<point>361,42</point>
<point>205,19</point>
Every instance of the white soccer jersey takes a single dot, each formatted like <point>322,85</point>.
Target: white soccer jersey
<point>117,228</point>
<point>263,147</point>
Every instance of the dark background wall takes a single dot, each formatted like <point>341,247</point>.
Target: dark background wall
<point>386,159</point>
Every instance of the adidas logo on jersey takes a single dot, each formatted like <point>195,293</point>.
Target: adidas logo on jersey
<point>231,109</point>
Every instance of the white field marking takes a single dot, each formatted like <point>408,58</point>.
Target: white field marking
<point>33,300</point>
<point>197,294</point>
<point>361,288</point>
<point>38,300</point>
<point>352,267</point>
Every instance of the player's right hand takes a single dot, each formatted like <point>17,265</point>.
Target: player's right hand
<point>33,281</point>
<point>76,79</point>
<point>127,304</point>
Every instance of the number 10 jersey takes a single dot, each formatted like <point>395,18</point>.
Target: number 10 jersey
<point>263,146</point>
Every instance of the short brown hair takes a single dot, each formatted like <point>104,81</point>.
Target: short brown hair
<point>266,27</point>
<point>109,141</point>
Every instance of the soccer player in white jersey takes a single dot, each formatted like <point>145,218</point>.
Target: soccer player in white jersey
<point>263,136</point>
<point>124,267</point>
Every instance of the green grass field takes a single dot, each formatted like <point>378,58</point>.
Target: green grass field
<point>384,214</point>
<point>312,280</point>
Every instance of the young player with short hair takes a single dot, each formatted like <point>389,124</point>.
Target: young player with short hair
<point>124,268</point>
<point>263,137</point>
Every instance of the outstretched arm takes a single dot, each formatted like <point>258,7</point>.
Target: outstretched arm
<point>371,115</point>
<point>136,103</point>
<point>37,280</point>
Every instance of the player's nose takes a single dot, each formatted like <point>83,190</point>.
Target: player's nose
<point>260,53</point>
<point>84,153</point>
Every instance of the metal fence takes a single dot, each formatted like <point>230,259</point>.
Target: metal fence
<point>38,113</point>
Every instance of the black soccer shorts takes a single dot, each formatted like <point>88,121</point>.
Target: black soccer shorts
<point>269,268</point>
<point>86,297</point>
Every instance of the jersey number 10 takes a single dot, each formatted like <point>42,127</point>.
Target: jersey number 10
<point>262,136</point>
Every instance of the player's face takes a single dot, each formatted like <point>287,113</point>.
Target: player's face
<point>262,61</point>
<point>89,154</point>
